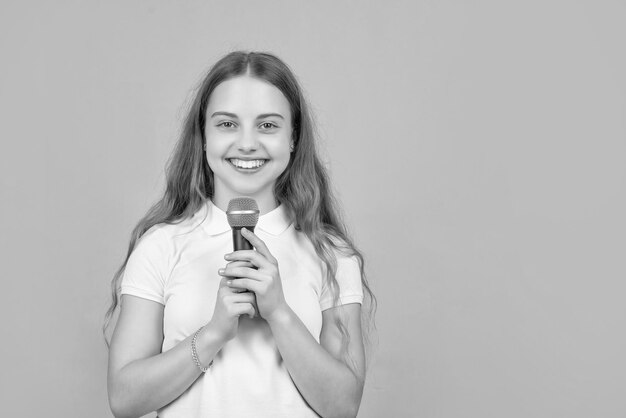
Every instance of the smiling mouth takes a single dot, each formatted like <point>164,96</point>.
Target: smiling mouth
<point>247,164</point>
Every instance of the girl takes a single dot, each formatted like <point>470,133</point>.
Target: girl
<point>272,332</point>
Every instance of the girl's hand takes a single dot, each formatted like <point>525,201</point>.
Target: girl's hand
<point>261,277</point>
<point>229,305</point>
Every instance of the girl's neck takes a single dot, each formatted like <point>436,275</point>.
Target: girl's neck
<point>266,202</point>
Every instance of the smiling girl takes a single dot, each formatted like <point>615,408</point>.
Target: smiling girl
<point>271,332</point>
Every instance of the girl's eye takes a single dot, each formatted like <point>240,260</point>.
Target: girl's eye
<point>226,124</point>
<point>268,125</point>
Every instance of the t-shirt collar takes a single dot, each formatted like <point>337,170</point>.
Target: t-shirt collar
<point>274,222</point>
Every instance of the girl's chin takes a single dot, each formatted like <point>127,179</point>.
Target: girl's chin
<point>238,190</point>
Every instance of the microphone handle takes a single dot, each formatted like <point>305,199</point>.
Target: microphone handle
<point>239,242</point>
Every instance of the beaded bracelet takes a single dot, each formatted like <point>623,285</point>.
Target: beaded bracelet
<point>194,353</point>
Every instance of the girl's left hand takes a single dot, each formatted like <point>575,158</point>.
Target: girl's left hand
<point>263,278</point>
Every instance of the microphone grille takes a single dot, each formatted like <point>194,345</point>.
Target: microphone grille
<point>242,212</point>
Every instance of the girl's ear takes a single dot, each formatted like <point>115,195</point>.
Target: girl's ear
<point>291,145</point>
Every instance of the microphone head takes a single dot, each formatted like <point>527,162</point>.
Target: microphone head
<point>242,212</point>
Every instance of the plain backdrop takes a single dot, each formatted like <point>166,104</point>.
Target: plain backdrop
<point>478,148</point>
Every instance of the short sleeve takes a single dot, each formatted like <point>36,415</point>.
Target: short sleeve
<point>146,269</point>
<point>350,288</point>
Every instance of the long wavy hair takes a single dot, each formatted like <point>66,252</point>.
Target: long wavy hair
<point>303,188</point>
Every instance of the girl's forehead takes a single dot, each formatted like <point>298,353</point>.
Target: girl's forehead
<point>245,93</point>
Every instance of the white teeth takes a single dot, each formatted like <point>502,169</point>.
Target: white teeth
<point>246,163</point>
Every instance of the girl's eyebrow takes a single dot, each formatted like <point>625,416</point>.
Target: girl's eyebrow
<point>227,114</point>
<point>268,115</point>
<point>232,115</point>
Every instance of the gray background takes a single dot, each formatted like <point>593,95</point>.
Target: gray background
<point>478,149</point>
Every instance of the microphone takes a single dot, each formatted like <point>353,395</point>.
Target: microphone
<point>242,212</point>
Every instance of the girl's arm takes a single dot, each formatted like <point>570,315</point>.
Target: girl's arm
<point>319,372</point>
<point>321,375</point>
<point>141,379</point>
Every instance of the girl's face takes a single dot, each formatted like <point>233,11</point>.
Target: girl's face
<point>248,138</point>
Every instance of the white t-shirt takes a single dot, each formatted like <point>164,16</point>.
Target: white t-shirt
<point>176,265</point>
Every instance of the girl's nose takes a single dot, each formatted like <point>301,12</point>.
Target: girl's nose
<point>247,141</point>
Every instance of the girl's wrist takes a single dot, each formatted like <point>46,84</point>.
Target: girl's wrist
<point>209,343</point>
<point>280,316</point>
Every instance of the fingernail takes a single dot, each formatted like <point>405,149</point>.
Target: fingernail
<point>220,271</point>
<point>229,282</point>
<point>228,256</point>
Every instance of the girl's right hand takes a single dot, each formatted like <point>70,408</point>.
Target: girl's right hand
<point>229,305</point>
